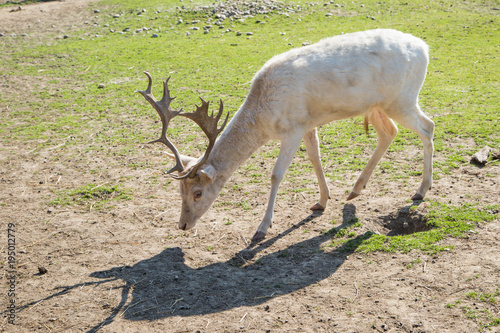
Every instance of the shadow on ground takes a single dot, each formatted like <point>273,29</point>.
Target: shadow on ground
<point>164,286</point>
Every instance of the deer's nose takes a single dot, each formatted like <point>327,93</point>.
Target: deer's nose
<point>183,227</point>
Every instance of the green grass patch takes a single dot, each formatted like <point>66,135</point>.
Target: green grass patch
<point>484,297</point>
<point>479,307</point>
<point>443,221</point>
<point>92,196</point>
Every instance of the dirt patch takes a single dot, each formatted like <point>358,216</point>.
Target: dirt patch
<point>406,221</point>
<point>128,268</point>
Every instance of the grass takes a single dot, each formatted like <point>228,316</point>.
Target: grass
<point>479,307</point>
<point>91,196</point>
<point>67,108</point>
<point>484,297</point>
<point>443,220</point>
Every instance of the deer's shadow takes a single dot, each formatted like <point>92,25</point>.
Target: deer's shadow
<point>164,286</point>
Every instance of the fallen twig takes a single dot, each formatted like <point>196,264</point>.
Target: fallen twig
<point>261,297</point>
<point>137,216</point>
<point>357,292</point>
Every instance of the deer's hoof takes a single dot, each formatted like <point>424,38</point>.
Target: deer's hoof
<point>352,196</point>
<point>317,207</point>
<point>417,197</point>
<point>258,236</point>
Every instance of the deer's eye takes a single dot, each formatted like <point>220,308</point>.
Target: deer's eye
<point>197,194</point>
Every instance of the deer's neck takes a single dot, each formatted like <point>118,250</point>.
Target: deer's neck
<point>242,137</point>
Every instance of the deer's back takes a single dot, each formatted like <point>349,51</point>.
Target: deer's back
<point>338,77</point>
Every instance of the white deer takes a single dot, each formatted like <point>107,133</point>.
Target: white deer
<point>376,73</point>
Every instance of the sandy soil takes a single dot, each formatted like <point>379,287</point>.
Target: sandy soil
<point>128,269</point>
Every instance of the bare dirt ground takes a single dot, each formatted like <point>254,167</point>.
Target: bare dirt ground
<point>128,268</point>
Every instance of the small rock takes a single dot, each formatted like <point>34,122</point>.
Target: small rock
<point>249,33</point>
<point>65,36</point>
<point>155,36</point>
<point>116,15</point>
<point>97,11</point>
<point>1,34</point>
<point>42,270</point>
<point>481,156</point>
<point>305,43</point>
<point>101,85</point>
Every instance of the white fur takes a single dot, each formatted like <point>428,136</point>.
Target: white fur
<point>375,73</point>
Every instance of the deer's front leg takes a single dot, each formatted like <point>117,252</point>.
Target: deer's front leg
<point>288,149</point>
<point>311,142</point>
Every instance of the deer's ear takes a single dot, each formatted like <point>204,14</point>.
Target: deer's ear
<point>207,174</point>
<point>184,159</point>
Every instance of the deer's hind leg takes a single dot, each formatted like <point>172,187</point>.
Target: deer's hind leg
<point>414,119</point>
<point>386,131</point>
<point>311,142</point>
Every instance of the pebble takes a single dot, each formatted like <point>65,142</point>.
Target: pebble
<point>247,9</point>
<point>155,36</point>
<point>101,85</point>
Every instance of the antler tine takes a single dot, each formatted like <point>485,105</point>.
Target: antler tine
<point>209,125</point>
<point>166,113</point>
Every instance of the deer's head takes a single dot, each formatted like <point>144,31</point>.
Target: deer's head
<point>197,178</point>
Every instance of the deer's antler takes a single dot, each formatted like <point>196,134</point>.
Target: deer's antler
<point>209,126</point>
<point>166,113</point>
